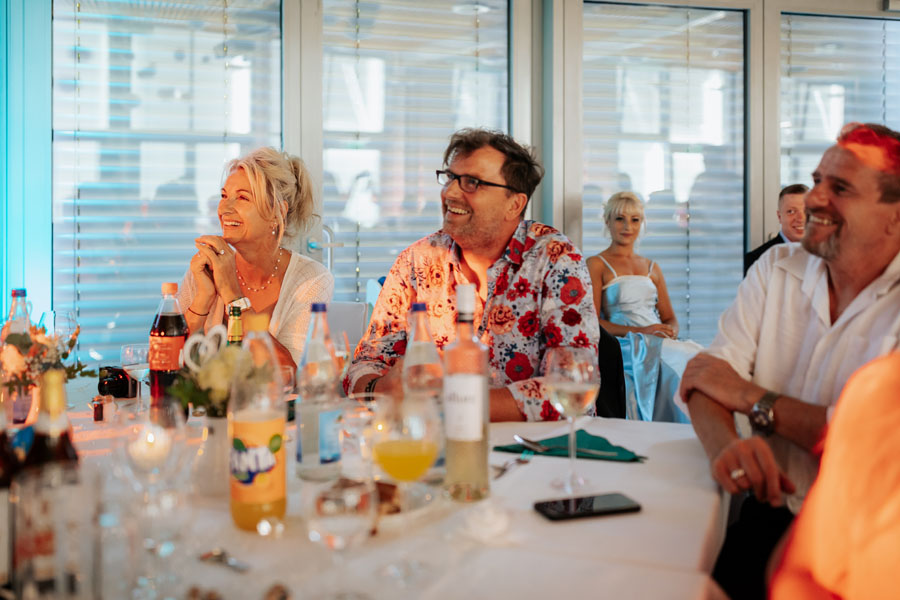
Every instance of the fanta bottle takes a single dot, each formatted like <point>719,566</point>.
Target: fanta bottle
<point>256,421</point>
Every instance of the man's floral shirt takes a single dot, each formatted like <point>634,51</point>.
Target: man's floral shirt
<point>539,297</point>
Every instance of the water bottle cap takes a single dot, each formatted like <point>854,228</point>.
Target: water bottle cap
<point>257,322</point>
<point>19,293</point>
<point>319,307</point>
<point>419,307</point>
<point>465,299</point>
<point>170,287</point>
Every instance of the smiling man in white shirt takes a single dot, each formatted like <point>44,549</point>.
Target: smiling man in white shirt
<point>804,319</point>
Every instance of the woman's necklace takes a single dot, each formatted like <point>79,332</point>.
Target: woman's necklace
<point>268,281</point>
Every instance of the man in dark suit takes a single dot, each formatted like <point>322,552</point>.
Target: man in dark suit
<point>792,218</point>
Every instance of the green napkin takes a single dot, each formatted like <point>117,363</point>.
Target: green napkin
<point>583,439</point>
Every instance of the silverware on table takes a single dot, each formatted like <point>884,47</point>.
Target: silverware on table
<point>539,447</point>
<point>221,556</point>
<point>522,459</point>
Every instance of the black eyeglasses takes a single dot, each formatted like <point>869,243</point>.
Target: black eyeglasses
<point>468,183</point>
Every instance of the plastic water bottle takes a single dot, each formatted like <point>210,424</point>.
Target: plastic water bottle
<point>167,337</point>
<point>318,403</point>
<point>256,420</point>
<point>423,374</point>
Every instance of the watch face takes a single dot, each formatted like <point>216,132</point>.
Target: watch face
<point>761,417</point>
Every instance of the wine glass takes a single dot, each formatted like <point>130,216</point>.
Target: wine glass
<point>340,515</point>
<point>357,420</point>
<point>408,435</point>
<point>572,378</point>
<point>150,451</point>
<point>136,362</point>
<point>60,324</point>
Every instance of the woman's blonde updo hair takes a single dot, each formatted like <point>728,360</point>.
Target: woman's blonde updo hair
<point>281,188</point>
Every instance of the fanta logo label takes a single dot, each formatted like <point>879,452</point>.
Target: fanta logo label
<point>247,463</point>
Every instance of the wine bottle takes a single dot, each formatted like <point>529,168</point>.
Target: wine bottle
<point>52,440</point>
<point>235,327</point>
<point>8,466</point>
<point>167,337</point>
<point>466,409</point>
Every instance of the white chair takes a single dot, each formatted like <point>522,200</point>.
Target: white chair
<point>349,317</point>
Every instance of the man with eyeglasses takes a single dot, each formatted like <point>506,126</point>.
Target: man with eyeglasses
<point>533,287</point>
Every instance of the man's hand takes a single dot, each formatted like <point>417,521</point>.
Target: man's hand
<point>715,378</point>
<point>749,464</point>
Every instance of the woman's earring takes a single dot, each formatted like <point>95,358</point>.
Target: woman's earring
<point>275,231</point>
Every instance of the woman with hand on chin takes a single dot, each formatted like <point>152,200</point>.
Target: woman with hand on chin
<point>632,303</point>
<point>267,195</point>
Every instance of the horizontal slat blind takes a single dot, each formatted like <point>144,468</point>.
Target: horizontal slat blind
<point>834,70</point>
<point>149,101</point>
<point>664,117</point>
<point>399,78</point>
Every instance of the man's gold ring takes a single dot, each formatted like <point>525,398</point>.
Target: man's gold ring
<point>737,473</point>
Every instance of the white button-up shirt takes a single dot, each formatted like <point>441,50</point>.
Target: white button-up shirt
<point>778,334</point>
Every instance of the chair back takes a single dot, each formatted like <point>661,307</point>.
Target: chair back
<point>347,317</point>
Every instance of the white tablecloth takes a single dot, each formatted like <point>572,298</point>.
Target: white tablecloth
<point>664,551</point>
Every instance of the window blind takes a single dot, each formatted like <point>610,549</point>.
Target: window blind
<point>834,70</point>
<point>664,117</point>
<point>149,101</point>
<point>399,77</point>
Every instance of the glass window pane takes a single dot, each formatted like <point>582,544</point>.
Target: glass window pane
<point>399,77</point>
<point>664,117</point>
<point>149,101</point>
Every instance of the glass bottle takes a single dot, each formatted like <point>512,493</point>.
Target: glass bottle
<point>9,465</point>
<point>235,327</point>
<point>52,438</point>
<point>318,405</point>
<point>466,408</point>
<point>256,422</point>
<point>167,337</point>
<point>19,317</point>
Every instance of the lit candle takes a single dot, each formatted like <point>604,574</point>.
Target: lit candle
<point>151,448</point>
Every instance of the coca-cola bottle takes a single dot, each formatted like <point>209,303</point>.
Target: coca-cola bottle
<point>167,339</point>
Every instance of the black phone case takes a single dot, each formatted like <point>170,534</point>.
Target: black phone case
<point>627,505</point>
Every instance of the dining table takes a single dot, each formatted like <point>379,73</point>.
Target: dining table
<point>495,548</point>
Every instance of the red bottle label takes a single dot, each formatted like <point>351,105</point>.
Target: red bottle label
<point>165,353</point>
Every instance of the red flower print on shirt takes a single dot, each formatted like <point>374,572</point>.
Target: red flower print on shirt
<point>515,251</point>
<point>571,317</point>
<point>519,367</point>
<point>548,413</point>
<point>553,335</point>
<point>581,340</point>
<point>399,347</point>
<point>502,283</point>
<point>572,292</point>
<point>529,323</point>
<point>520,289</point>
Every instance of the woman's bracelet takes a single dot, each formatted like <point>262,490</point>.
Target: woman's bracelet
<point>196,313</point>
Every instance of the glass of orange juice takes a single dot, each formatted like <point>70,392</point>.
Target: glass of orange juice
<point>407,440</point>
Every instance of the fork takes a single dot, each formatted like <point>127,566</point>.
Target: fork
<point>522,459</point>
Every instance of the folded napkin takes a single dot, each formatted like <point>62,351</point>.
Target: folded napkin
<point>583,439</point>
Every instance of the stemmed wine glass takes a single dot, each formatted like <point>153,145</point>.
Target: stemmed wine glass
<point>572,378</point>
<point>136,362</point>
<point>340,515</point>
<point>408,436</point>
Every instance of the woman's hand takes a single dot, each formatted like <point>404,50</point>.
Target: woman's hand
<point>658,329</point>
<point>220,258</point>
<point>206,287</point>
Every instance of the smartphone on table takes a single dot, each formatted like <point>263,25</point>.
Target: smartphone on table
<point>586,506</point>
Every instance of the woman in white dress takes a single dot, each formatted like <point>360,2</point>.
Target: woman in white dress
<point>266,197</point>
<point>633,304</point>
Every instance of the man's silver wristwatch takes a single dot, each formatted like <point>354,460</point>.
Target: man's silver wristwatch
<point>762,415</point>
<point>242,303</point>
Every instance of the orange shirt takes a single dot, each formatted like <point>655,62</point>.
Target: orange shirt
<point>846,540</point>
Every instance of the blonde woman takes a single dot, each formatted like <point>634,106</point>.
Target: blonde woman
<point>633,304</point>
<point>267,197</point>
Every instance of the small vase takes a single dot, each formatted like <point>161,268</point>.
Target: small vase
<point>210,472</point>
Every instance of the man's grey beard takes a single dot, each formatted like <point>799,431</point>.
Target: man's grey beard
<point>827,249</point>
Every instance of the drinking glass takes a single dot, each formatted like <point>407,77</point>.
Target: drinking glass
<point>408,436</point>
<point>357,421</point>
<point>342,353</point>
<point>572,378</point>
<point>58,322</point>
<point>136,362</point>
<point>340,515</point>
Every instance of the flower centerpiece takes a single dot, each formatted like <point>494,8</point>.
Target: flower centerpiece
<point>25,356</point>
